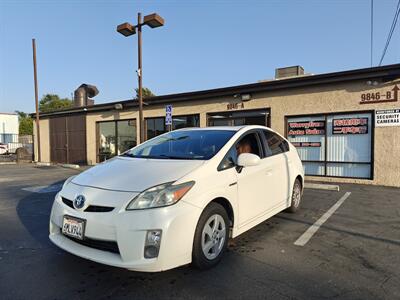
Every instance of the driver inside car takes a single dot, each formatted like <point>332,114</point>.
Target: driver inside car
<point>244,146</point>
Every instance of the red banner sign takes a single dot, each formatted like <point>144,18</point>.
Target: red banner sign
<point>350,126</point>
<point>306,128</point>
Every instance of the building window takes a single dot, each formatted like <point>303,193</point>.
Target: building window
<point>185,121</point>
<point>115,137</point>
<point>238,118</point>
<point>334,145</point>
<point>156,126</point>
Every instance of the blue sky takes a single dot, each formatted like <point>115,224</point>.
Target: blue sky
<point>204,44</point>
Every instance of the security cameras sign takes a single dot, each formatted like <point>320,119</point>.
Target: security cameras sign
<point>387,117</point>
<point>168,115</point>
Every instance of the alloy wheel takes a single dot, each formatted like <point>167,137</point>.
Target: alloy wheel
<point>213,236</point>
<point>296,195</point>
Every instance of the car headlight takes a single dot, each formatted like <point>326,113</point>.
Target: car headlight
<point>161,195</point>
<point>68,180</point>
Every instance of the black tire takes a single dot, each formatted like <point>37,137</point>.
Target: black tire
<point>199,258</point>
<point>296,192</point>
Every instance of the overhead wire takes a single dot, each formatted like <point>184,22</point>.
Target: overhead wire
<point>395,18</point>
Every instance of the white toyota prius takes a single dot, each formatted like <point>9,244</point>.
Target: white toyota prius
<point>177,198</point>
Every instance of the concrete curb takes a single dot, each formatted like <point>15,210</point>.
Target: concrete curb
<point>70,166</point>
<point>320,186</point>
<point>8,163</point>
<point>42,164</point>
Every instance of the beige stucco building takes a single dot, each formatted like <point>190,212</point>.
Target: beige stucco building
<point>346,125</point>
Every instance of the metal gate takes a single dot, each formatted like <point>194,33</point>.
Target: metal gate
<point>68,139</point>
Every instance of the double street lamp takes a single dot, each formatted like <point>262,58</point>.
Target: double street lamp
<point>128,29</point>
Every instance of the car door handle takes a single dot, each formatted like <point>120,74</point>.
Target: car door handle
<point>268,172</point>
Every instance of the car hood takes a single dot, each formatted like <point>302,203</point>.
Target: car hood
<point>135,174</point>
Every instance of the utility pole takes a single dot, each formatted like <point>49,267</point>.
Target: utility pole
<point>139,73</point>
<point>36,99</point>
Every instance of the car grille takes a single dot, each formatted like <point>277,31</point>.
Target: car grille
<point>67,202</point>
<point>90,208</point>
<point>108,246</point>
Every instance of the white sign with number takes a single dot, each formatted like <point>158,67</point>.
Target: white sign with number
<point>387,117</point>
<point>168,115</point>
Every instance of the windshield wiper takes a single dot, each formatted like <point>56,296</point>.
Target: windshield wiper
<point>162,156</point>
<point>129,155</point>
<point>176,157</point>
<point>140,156</point>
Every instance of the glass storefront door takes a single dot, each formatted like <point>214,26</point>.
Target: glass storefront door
<point>107,142</point>
<point>126,135</point>
<point>237,118</point>
<point>115,137</point>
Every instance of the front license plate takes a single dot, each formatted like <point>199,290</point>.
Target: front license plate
<point>74,227</point>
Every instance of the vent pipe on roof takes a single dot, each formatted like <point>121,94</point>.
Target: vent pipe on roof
<point>83,94</point>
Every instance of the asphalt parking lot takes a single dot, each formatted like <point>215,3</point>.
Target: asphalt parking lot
<point>353,255</point>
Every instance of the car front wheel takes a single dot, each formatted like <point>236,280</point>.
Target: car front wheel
<point>296,197</point>
<point>211,236</point>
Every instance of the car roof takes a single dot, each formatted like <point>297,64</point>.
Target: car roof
<point>230,128</point>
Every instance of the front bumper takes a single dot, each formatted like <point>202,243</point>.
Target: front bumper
<point>128,229</point>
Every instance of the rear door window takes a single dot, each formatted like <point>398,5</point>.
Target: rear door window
<point>274,144</point>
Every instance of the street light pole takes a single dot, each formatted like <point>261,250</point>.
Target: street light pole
<point>126,29</point>
<point>140,73</point>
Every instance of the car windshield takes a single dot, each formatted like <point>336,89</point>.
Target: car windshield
<point>183,144</point>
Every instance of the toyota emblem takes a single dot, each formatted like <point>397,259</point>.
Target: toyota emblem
<point>79,201</point>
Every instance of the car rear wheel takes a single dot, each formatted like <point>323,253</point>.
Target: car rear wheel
<point>211,236</point>
<point>296,197</point>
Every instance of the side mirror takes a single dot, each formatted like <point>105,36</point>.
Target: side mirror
<point>248,160</point>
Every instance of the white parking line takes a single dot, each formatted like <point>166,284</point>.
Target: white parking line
<point>5,180</point>
<point>306,236</point>
<point>44,189</point>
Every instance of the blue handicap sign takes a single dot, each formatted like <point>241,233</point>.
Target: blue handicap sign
<point>168,115</point>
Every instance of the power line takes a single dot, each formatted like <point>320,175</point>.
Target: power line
<point>390,32</point>
<point>396,17</point>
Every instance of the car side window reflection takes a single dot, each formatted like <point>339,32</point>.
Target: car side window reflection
<point>229,161</point>
<point>274,144</point>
